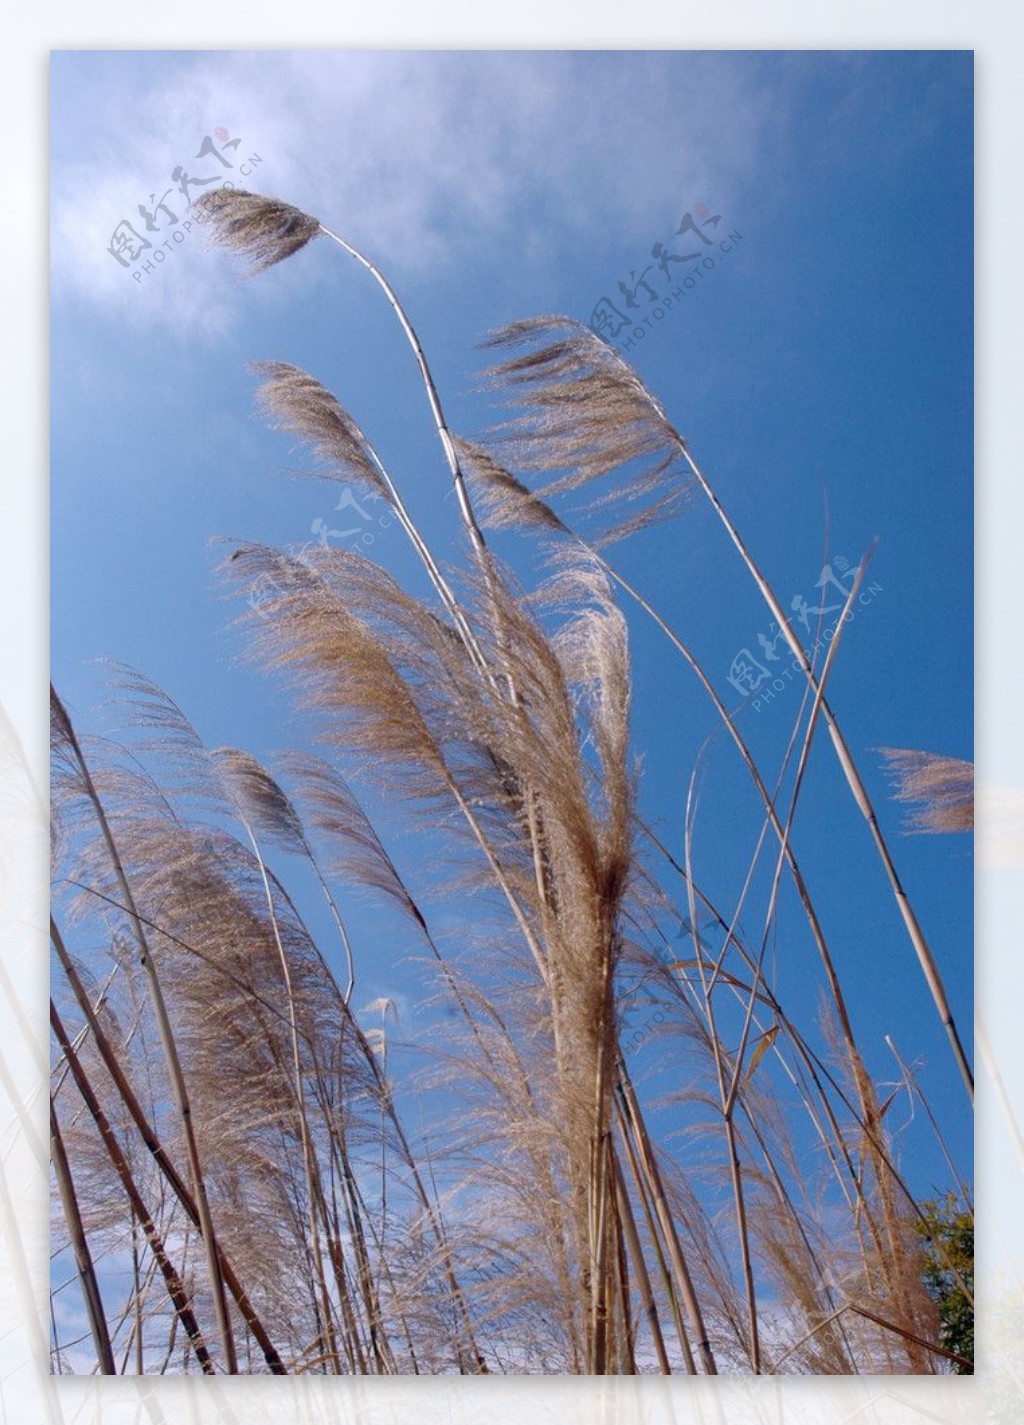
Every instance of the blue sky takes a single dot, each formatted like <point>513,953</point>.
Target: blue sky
<point>822,372</point>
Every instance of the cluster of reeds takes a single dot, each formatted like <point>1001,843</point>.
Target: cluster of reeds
<point>238,1180</point>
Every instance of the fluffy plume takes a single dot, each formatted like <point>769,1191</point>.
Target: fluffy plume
<point>316,622</point>
<point>497,729</point>
<point>584,414</point>
<point>259,798</point>
<point>264,230</point>
<point>503,501</point>
<point>334,809</point>
<point>294,401</point>
<point>942,789</point>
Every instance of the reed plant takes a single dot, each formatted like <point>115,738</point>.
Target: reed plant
<point>248,1173</point>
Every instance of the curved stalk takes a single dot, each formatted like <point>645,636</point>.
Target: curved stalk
<point>925,958</point>
<point>80,1244</point>
<point>167,1040</point>
<point>172,1278</point>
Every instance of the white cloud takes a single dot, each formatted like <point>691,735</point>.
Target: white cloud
<point>430,160</point>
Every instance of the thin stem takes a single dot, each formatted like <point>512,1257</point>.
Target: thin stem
<point>443,432</point>
<point>80,1244</point>
<point>925,958</point>
<point>172,1278</point>
<point>654,1229</point>
<point>156,1149</point>
<point>735,1170</point>
<point>299,1085</point>
<point>167,1041</point>
<point>668,1227</point>
<point>643,1279</point>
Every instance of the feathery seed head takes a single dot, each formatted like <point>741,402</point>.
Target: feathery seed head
<point>942,787</point>
<point>294,401</point>
<point>505,502</point>
<point>582,414</point>
<point>259,798</point>
<point>263,229</point>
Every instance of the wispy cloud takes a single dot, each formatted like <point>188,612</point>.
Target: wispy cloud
<point>428,159</point>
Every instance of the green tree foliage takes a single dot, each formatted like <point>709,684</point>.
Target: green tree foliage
<point>948,1230</point>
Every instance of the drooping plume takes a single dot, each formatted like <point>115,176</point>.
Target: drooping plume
<point>942,789</point>
<point>582,415</point>
<point>296,402</point>
<point>264,230</point>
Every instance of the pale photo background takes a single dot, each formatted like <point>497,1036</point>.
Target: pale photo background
<point>26,1391</point>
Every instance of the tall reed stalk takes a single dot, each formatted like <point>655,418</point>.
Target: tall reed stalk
<point>544,1219</point>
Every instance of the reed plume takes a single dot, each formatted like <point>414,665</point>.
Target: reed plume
<point>581,1195</point>
<point>575,370</point>
<point>264,230</point>
<point>941,789</point>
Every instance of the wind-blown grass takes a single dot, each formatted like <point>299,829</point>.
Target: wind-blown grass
<point>226,1116</point>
